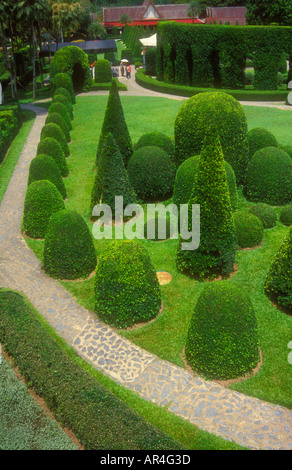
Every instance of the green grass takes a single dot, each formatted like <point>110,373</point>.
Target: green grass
<point>8,164</point>
<point>166,336</point>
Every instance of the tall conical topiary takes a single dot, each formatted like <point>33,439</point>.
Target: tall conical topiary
<point>111,178</point>
<point>278,285</point>
<point>114,123</point>
<point>216,252</point>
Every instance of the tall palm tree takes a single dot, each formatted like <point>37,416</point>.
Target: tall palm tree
<point>193,9</point>
<point>6,7</point>
<point>65,15</point>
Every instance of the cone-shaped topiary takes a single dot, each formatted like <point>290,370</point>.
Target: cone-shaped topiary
<point>61,109</point>
<point>222,112</point>
<point>265,213</point>
<point>269,177</point>
<point>216,252</point>
<point>69,251</point>
<point>278,285</point>
<point>44,167</point>
<point>249,229</point>
<point>42,199</point>
<point>50,146</point>
<point>61,98</point>
<point>62,80</point>
<point>186,176</point>
<point>114,123</point>
<point>259,138</point>
<point>157,139</point>
<point>56,118</point>
<point>111,177</point>
<point>286,215</point>
<point>55,131</point>
<point>126,286</point>
<point>151,173</point>
<point>222,339</point>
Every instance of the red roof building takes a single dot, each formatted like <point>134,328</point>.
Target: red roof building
<point>226,14</point>
<point>147,14</point>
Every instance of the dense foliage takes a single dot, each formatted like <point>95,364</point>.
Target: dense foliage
<point>53,130</point>
<point>286,215</point>
<point>158,139</point>
<point>44,167</point>
<point>50,146</point>
<point>58,119</point>
<point>73,61</point>
<point>57,107</point>
<point>222,340</point>
<point>103,71</point>
<point>265,213</point>
<point>63,80</point>
<point>259,138</point>
<point>126,286</point>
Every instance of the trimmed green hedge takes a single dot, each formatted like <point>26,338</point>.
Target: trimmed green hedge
<point>249,229</point>
<point>44,167</point>
<point>63,111</point>
<point>97,417</point>
<point>151,173</point>
<point>53,130</point>
<point>50,146</point>
<point>259,138</point>
<point>222,340</point>
<point>286,215</point>
<point>269,177</point>
<point>58,119</point>
<point>69,251</point>
<point>42,199</point>
<point>158,139</point>
<point>61,98</point>
<point>10,123</point>
<point>126,286</point>
<point>63,80</point>
<point>73,61</point>
<point>103,71</point>
<point>265,213</point>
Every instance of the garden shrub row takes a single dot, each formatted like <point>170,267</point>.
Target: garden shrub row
<point>10,122</point>
<point>97,417</point>
<point>216,55</point>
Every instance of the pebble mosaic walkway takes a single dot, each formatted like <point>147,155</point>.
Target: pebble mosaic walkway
<point>247,421</point>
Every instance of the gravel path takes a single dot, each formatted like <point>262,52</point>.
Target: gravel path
<point>234,416</point>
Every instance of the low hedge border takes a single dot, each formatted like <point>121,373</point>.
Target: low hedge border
<point>10,123</point>
<point>98,418</point>
<point>241,95</point>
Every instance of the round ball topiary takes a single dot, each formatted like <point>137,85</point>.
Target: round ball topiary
<point>58,119</point>
<point>286,215</point>
<point>157,139</point>
<point>259,138</point>
<point>222,339</point>
<point>50,146</point>
<point>218,111</point>
<point>42,199</point>
<point>185,179</point>
<point>44,167</point>
<point>53,130</point>
<point>61,109</point>
<point>69,251</point>
<point>249,229</point>
<point>61,98</point>
<point>269,177</point>
<point>63,80</point>
<point>287,149</point>
<point>103,71</point>
<point>265,213</point>
<point>151,173</point>
<point>62,91</point>
<point>126,286</point>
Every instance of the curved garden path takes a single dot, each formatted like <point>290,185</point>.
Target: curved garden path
<point>247,421</point>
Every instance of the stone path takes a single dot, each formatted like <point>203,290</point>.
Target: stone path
<point>245,420</point>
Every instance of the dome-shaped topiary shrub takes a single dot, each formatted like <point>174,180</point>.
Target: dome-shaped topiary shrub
<point>265,213</point>
<point>218,111</point>
<point>50,146</point>
<point>126,286</point>
<point>249,229</point>
<point>222,339</point>
<point>103,71</point>
<point>58,119</point>
<point>61,98</point>
<point>286,215</point>
<point>69,251</point>
<point>185,179</point>
<point>55,131</point>
<point>259,138</point>
<point>74,61</point>
<point>269,177</point>
<point>157,139</point>
<point>61,109</point>
<point>42,199</point>
<point>44,167</point>
<point>62,91</point>
<point>63,80</point>
<point>287,149</point>
<point>278,285</point>
<point>151,173</point>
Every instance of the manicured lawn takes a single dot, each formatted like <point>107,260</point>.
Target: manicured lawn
<point>165,337</point>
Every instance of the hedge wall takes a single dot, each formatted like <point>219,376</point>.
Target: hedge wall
<point>10,122</point>
<point>215,55</point>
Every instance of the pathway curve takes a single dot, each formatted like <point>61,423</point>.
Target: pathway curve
<point>234,416</point>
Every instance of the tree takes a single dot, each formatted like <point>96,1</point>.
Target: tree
<point>193,9</point>
<point>96,30</point>
<point>6,6</point>
<point>260,12</point>
<point>125,19</point>
<point>65,15</point>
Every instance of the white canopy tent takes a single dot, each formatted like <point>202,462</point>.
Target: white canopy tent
<point>150,42</point>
